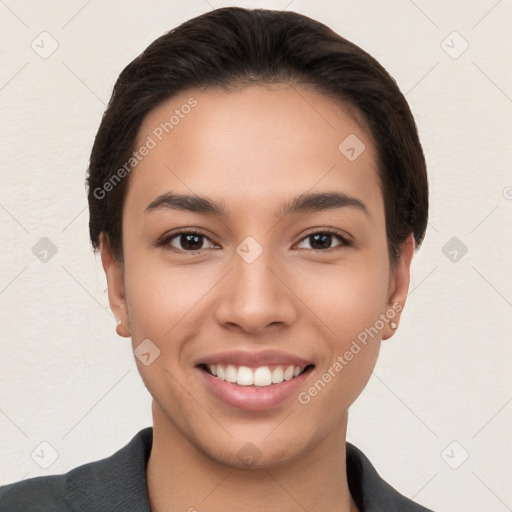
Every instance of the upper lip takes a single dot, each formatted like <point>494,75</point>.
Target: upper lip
<point>262,358</point>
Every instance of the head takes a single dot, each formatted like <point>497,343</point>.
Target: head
<point>290,159</point>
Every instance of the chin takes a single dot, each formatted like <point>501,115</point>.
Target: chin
<point>255,454</point>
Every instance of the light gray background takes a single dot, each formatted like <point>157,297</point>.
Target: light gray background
<point>441,390</point>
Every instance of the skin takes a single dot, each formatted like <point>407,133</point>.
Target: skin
<point>251,150</point>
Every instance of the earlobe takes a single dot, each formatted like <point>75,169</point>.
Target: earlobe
<point>115,282</point>
<point>399,287</point>
<point>122,330</point>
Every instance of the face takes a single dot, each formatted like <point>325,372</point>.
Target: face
<point>278,259</point>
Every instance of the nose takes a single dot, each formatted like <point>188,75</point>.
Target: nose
<point>256,296</point>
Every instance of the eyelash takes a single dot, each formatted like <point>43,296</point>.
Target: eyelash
<point>344,242</point>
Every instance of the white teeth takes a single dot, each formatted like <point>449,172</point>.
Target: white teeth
<point>261,376</point>
<point>288,373</point>
<point>245,376</point>
<point>230,375</point>
<point>277,375</point>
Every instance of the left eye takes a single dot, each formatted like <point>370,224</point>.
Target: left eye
<point>323,240</point>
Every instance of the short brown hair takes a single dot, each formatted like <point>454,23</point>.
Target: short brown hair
<point>232,47</point>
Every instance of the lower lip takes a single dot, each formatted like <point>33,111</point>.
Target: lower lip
<point>253,398</point>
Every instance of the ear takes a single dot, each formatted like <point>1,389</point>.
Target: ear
<point>398,287</point>
<point>116,294</point>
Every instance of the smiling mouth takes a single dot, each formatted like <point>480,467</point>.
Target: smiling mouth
<point>261,376</point>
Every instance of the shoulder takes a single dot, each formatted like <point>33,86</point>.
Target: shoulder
<point>115,483</point>
<point>370,491</point>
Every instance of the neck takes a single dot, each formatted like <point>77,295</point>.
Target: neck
<point>183,478</point>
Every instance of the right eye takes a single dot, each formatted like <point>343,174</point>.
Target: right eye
<point>187,241</point>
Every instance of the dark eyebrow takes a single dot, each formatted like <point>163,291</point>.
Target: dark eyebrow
<point>188,203</point>
<point>321,201</point>
<point>303,203</point>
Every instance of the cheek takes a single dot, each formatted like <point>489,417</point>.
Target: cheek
<point>159,297</point>
<point>163,306</point>
<point>343,298</point>
<point>346,304</point>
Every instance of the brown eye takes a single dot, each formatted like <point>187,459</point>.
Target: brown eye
<point>187,241</point>
<point>323,240</point>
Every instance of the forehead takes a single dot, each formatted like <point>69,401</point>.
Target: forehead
<point>257,143</point>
